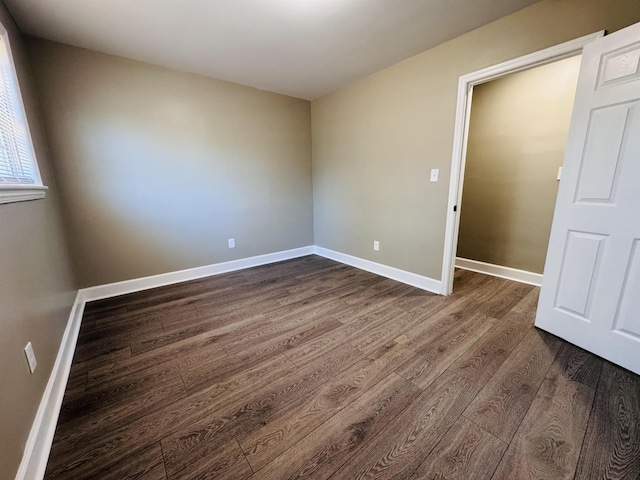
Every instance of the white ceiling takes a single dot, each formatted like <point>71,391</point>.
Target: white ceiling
<point>302,48</point>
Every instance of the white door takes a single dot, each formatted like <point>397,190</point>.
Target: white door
<point>591,286</point>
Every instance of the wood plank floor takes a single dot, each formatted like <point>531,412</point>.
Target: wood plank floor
<point>313,369</point>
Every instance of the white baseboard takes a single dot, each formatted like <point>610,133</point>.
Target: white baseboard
<point>38,447</point>
<point>413,279</point>
<point>145,283</point>
<point>521,276</point>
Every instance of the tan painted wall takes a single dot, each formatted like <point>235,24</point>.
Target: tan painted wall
<point>158,168</point>
<point>517,135</point>
<point>36,287</point>
<point>375,141</point>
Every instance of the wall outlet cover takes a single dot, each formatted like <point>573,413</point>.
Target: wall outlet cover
<point>232,243</point>
<point>376,245</point>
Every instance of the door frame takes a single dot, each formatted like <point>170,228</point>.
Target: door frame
<point>461,135</point>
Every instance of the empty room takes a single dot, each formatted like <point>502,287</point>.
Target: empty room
<point>325,239</point>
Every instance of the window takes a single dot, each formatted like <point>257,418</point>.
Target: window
<point>19,175</point>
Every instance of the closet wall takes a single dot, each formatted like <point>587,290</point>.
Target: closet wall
<point>517,135</point>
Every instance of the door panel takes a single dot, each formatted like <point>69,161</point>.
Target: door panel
<point>608,128</point>
<point>591,286</point>
<point>579,272</point>
<point>621,65</point>
<point>628,314</point>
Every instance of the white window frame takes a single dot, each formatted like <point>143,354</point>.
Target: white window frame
<point>17,192</point>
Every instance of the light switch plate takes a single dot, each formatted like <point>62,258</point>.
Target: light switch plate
<point>232,243</point>
<point>31,357</point>
<point>434,175</point>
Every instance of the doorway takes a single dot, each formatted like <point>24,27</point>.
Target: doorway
<point>460,151</point>
<point>518,130</point>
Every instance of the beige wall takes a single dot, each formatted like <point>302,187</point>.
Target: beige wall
<point>158,168</point>
<point>517,134</point>
<point>375,141</point>
<point>36,288</point>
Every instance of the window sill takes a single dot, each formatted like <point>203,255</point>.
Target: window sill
<point>21,193</point>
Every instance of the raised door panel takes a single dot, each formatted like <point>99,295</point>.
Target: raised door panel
<point>620,65</point>
<point>628,314</point>
<point>604,153</point>
<point>578,276</point>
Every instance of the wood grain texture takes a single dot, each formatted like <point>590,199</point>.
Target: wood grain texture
<point>108,415</point>
<point>548,441</point>
<point>483,359</point>
<point>465,452</point>
<point>88,449</point>
<point>330,445</point>
<point>295,370</point>
<point>434,357</point>
<point>503,402</point>
<point>498,305</point>
<point>578,365</point>
<point>187,447</point>
<point>611,447</point>
<point>140,464</point>
<point>214,370</point>
<point>226,463</point>
<point>466,281</point>
<point>286,427</point>
<point>402,446</point>
<point>437,323</point>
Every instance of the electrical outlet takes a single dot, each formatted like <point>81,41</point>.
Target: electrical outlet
<point>31,357</point>
<point>434,175</point>
<point>376,245</point>
<point>232,243</point>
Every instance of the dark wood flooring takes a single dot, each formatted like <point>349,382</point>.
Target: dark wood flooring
<point>313,369</point>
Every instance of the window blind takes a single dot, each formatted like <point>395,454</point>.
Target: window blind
<point>16,158</point>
